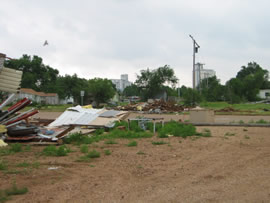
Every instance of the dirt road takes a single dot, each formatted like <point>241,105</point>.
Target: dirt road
<point>221,168</point>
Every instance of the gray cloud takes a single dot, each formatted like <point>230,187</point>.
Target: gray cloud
<point>107,38</point>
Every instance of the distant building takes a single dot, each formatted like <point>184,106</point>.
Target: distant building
<point>201,73</point>
<point>39,97</point>
<point>121,83</point>
<point>264,94</point>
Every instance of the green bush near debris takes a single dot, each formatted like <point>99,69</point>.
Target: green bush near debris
<point>177,129</point>
<point>56,151</point>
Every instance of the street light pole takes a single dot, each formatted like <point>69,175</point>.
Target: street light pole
<point>196,46</point>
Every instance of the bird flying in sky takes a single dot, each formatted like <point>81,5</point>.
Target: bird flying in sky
<point>45,43</point>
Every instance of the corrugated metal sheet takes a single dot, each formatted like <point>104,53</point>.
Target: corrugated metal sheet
<point>110,113</point>
<point>10,80</point>
<point>76,116</point>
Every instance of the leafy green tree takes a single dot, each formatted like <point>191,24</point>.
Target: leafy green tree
<point>151,82</point>
<point>101,89</point>
<point>249,80</point>
<point>190,96</point>
<point>212,90</point>
<point>131,90</point>
<point>36,75</point>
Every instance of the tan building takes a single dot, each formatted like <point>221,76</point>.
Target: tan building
<point>39,97</point>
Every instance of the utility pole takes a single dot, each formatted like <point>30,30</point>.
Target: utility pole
<point>196,47</point>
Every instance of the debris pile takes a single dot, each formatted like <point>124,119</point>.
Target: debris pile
<point>157,106</point>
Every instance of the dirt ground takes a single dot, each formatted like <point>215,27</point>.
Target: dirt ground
<point>220,168</point>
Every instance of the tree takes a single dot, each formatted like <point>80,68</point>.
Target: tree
<point>36,75</point>
<point>249,80</point>
<point>212,90</point>
<point>131,90</point>
<point>101,89</point>
<point>191,97</point>
<point>151,82</point>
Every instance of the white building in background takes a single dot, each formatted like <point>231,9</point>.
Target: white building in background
<point>121,83</point>
<point>201,73</point>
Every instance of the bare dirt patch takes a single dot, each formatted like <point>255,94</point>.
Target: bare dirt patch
<point>232,165</point>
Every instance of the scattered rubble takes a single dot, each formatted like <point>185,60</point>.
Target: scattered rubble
<point>155,106</point>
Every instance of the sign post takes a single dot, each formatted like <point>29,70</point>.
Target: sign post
<point>82,94</point>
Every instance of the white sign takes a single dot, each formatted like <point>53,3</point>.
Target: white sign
<point>82,93</point>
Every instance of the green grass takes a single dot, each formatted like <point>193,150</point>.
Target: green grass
<point>111,141</point>
<point>132,144</point>
<point>84,148</point>
<point>93,154</point>
<point>205,133</point>
<point>3,165</point>
<point>140,153</point>
<point>23,164</point>
<point>177,129</point>
<point>56,151</point>
<point>107,152</point>
<point>227,134</point>
<point>14,190</point>
<point>79,139</point>
<point>159,142</point>
<point>244,107</point>
<point>247,137</point>
<point>262,121</point>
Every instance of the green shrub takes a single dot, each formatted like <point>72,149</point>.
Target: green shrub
<point>107,152</point>
<point>17,147</point>
<point>132,144</point>
<point>99,131</point>
<point>204,133</point>
<point>93,154</point>
<point>111,141</point>
<point>77,138</point>
<point>14,190</point>
<point>159,143</point>
<point>84,148</point>
<point>262,121</point>
<point>177,129</point>
<point>3,165</point>
<point>23,164</point>
<point>54,151</point>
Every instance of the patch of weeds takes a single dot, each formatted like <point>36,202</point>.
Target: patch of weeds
<point>159,143</point>
<point>3,165</point>
<point>140,153</point>
<point>13,171</point>
<point>17,147</point>
<point>186,121</point>
<point>14,190</point>
<point>23,164</point>
<point>247,137</point>
<point>241,122</point>
<point>54,151</point>
<point>83,159</point>
<point>84,148</point>
<point>107,152</point>
<point>99,131</point>
<point>139,166</point>
<point>132,144</point>
<point>36,165</point>
<point>251,121</point>
<point>245,129</point>
<point>177,129</point>
<point>92,165</point>
<point>27,148</point>
<point>205,133</point>
<point>180,141</point>
<point>163,135</point>
<point>194,138</point>
<point>78,138</point>
<point>93,154</point>
<point>227,134</point>
<point>262,121</point>
<point>111,141</point>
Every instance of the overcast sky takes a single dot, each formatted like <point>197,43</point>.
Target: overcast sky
<point>106,38</point>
